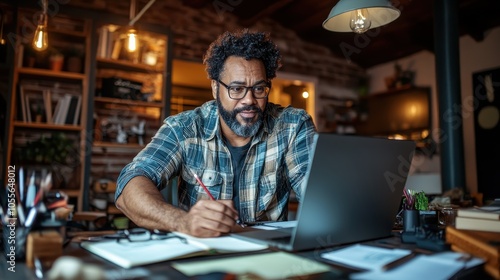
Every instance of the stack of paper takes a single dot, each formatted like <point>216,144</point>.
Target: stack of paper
<point>486,218</point>
<point>377,261</point>
<point>274,265</point>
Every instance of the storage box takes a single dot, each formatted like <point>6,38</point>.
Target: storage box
<point>121,88</point>
<point>45,245</point>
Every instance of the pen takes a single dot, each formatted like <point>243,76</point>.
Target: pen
<point>31,192</point>
<point>21,184</point>
<point>238,221</point>
<point>398,262</point>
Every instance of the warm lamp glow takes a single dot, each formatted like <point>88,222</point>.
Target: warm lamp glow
<point>360,15</point>
<point>132,43</point>
<point>360,21</point>
<point>305,94</point>
<point>41,39</point>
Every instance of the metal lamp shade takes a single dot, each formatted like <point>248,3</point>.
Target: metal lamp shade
<point>381,12</point>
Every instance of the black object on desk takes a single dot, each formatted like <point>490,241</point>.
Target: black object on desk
<point>427,234</point>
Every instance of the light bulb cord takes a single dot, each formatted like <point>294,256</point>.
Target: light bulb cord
<point>2,41</point>
<point>45,4</point>
<point>139,15</point>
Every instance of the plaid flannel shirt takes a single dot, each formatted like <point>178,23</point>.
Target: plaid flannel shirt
<point>276,162</point>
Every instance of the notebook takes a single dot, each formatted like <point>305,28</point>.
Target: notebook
<point>130,254</point>
<point>352,193</point>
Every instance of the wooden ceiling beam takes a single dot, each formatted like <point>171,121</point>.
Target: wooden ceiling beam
<point>196,3</point>
<point>273,7</point>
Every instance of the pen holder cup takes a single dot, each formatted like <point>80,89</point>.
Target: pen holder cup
<point>14,242</point>
<point>411,220</point>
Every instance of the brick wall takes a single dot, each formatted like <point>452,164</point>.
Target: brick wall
<point>194,29</point>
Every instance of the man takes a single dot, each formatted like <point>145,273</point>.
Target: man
<point>249,153</point>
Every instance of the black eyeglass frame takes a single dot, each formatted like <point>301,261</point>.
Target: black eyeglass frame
<point>134,235</point>
<point>137,235</point>
<point>252,89</point>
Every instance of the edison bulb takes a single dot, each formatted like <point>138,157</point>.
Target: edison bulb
<point>360,21</point>
<point>41,40</point>
<point>132,40</point>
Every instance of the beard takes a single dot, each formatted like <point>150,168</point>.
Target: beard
<point>249,128</point>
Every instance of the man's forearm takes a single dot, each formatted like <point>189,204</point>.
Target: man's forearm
<point>144,205</point>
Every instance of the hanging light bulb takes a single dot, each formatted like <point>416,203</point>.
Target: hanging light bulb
<point>360,21</point>
<point>41,38</point>
<point>360,15</point>
<point>305,94</point>
<point>132,42</point>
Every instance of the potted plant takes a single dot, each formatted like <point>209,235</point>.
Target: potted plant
<point>413,203</point>
<point>74,59</point>
<point>56,60</point>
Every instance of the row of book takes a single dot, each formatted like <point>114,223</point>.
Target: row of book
<point>486,218</point>
<point>42,104</point>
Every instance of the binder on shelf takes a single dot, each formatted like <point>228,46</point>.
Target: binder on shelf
<point>73,109</point>
<point>63,109</point>
<point>22,99</point>
<point>102,47</point>
<point>35,107</point>
<point>47,100</point>
<point>76,119</point>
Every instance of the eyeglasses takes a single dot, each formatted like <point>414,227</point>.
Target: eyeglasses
<point>138,235</point>
<point>239,92</point>
<point>141,234</point>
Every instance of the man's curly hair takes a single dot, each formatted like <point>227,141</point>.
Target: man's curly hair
<point>246,44</point>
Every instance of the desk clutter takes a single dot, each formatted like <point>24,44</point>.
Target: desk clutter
<point>424,223</point>
<point>33,218</point>
<point>36,221</point>
<point>384,263</point>
<point>472,230</point>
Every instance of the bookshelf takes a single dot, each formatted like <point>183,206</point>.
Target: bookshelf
<point>46,124</point>
<point>130,97</point>
<point>94,106</point>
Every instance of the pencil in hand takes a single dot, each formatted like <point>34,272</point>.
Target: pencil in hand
<point>238,221</point>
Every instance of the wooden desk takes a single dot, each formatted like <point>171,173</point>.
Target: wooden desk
<point>164,270</point>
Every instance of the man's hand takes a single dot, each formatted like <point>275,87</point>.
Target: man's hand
<point>208,218</point>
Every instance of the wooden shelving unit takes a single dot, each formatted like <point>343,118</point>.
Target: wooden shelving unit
<point>92,157</point>
<point>37,93</point>
<point>120,109</point>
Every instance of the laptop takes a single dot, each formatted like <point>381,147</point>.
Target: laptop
<point>353,190</point>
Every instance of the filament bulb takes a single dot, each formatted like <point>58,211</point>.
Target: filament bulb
<point>132,40</point>
<point>360,21</point>
<point>41,40</point>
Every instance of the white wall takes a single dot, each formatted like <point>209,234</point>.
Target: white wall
<point>474,57</point>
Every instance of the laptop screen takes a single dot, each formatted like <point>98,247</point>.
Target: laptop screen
<point>353,189</point>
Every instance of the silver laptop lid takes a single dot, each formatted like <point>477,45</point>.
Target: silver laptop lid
<point>353,190</point>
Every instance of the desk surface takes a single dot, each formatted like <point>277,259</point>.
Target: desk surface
<point>164,270</point>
